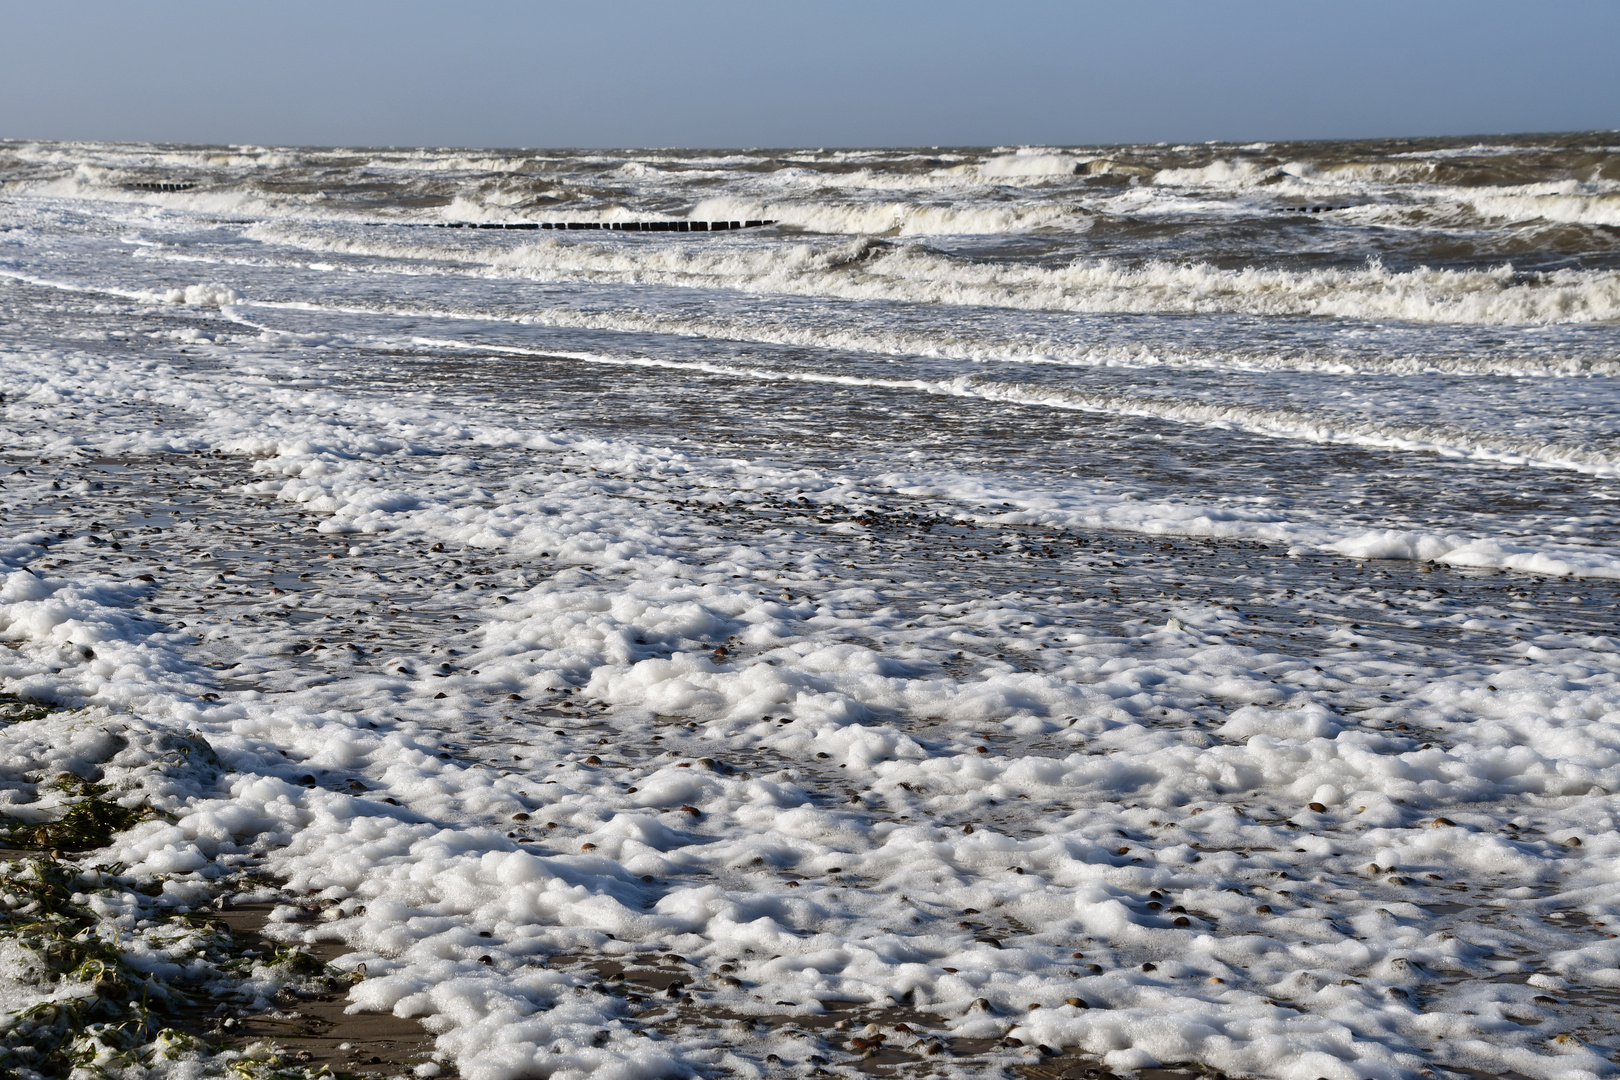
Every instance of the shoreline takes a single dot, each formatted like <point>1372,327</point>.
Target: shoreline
<point>491,673</point>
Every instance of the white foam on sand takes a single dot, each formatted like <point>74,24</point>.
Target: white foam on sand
<point>434,870</point>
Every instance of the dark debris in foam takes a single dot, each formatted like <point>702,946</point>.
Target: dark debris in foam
<point>307,1031</point>
<point>313,1030</point>
<point>674,997</point>
<point>253,568</point>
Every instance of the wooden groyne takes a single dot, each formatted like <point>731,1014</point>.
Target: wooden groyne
<point>607,226</point>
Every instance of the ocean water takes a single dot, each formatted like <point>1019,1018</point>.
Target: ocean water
<point>1171,586</point>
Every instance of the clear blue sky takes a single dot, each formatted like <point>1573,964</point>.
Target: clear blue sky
<point>841,73</point>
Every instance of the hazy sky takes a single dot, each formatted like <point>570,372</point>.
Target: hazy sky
<point>731,73</point>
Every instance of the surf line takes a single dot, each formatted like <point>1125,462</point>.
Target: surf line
<point>611,226</point>
<point>1284,424</point>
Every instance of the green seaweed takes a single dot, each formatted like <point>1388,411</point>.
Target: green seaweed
<point>56,1038</point>
<point>19,710</point>
<point>103,1016</point>
<point>101,1009</point>
<point>90,822</point>
<point>299,962</point>
<point>262,1061</point>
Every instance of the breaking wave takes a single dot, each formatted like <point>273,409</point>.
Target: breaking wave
<point>868,269</point>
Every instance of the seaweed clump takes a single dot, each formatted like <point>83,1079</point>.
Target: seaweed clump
<point>20,710</point>
<point>89,824</point>
<point>121,980</point>
<point>102,1017</point>
<point>98,1012</point>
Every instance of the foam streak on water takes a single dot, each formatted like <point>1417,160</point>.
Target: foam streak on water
<point>1173,587</point>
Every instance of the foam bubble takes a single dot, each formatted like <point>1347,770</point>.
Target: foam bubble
<point>212,294</point>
